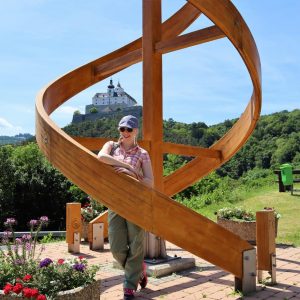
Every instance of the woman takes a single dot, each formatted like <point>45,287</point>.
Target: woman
<point>127,239</point>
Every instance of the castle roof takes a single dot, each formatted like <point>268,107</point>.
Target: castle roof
<point>111,86</point>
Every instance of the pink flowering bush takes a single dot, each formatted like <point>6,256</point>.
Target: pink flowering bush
<point>91,209</point>
<point>23,273</point>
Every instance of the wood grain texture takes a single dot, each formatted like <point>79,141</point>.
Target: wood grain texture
<point>152,87</point>
<point>265,239</point>
<point>190,39</point>
<point>102,218</point>
<point>157,212</point>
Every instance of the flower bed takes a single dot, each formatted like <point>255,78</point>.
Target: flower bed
<point>24,274</point>
<point>244,229</point>
<point>242,222</point>
<point>90,292</point>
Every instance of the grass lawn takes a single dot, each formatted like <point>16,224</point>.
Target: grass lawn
<point>284,203</point>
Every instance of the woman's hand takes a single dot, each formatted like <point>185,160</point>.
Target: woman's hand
<point>129,171</point>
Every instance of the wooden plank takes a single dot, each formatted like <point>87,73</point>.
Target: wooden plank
<point>190,39</point>
<point>198,234</point>
<point>265,239</point>
<point>188,150</point>
<point>179,21</point>
<point>73,221</point>
<point>119,63</point>
<point>152,87</point>
<point>102,218</point>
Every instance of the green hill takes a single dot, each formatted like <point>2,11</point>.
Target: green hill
<point>15,140</point>
<point>276,139</point>
<point>29,185</point>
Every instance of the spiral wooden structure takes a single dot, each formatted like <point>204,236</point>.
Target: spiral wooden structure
<point>153,209</point>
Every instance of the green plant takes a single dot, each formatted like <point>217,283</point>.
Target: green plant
<point>239,213</point>
<point>236,213</point>
<point>24,273</point>
<point>93,110</point>
<point>91,210</point>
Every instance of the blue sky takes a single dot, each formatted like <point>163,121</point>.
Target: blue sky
<point>43,39</point>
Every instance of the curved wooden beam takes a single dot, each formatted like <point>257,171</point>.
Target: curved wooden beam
<point>157,212</point>
<point>229,20</point>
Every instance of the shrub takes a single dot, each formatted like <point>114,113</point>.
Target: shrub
<point>236,213</point>
<point>239,213</point>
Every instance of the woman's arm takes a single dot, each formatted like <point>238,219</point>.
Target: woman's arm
<point>148,173</point>
<point>105,157</point>
<point>120,166</point>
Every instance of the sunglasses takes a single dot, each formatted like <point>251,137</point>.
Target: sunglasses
<point>122,129</point>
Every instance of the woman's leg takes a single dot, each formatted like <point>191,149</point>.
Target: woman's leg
<point>117,235</point>
<point>134,261</point>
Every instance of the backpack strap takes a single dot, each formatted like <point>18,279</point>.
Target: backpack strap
<point>115,146</point>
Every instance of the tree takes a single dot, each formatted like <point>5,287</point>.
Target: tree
<point>93,110</point>
<point>32,187</point>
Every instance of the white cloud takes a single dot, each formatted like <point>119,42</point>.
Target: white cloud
<point>9,129</point>
<point>64,114</point>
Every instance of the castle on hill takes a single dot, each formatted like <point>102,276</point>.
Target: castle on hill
<point>115,102</point>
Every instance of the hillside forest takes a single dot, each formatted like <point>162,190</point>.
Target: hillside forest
<point>30,186</point>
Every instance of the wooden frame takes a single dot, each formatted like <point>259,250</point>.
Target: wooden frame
<point>157,212</point>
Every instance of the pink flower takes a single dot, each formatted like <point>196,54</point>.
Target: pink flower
<point>60,261</point>
<point>27,277</point>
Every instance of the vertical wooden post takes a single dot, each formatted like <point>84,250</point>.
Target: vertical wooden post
<point>97,242</point>
<point>265,241</point>
<point>152,87</point>
<point>152,100</point>
<point>73,226</point>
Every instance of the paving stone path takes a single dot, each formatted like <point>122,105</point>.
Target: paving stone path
<point>205,281</point>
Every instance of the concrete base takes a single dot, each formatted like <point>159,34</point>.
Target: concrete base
<point>166,268</point>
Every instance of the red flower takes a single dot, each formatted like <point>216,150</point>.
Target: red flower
<point>34,293</point>
<point>41,297</point>
<point>27,277</point>
<point>27,292</point>
<point>8,287</point>
<point>81,257</point>
<point>60,261</point>
<point>17,288</point>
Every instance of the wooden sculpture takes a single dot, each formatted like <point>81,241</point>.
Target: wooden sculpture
<point>157,212</point>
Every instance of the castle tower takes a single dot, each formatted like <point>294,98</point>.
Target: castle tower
<point>110,89</point>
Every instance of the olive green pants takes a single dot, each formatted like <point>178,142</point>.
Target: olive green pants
<point>127,246</point>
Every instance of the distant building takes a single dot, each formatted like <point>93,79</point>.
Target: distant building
<point>114,102</point>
